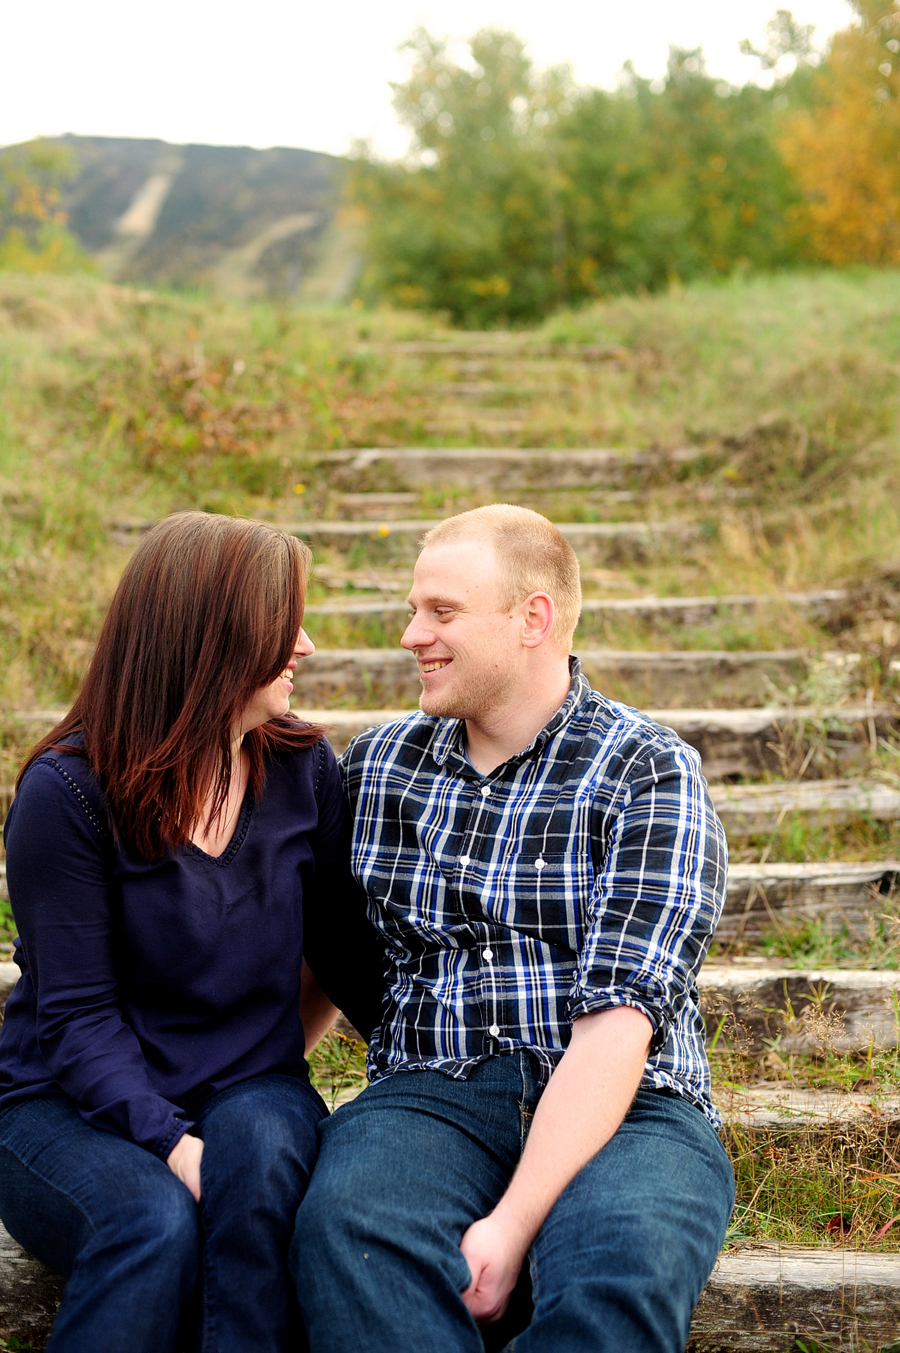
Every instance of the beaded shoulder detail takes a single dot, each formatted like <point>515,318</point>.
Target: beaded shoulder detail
<point>101,828</point>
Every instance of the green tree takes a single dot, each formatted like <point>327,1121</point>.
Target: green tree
<point>472,221</point>
<point>522,192</point>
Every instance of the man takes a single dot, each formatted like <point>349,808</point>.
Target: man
<point>546,869</point>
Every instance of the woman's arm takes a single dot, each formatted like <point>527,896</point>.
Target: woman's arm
<point>59,870</point>
<point>317,1014</point>
<point>341,945</point>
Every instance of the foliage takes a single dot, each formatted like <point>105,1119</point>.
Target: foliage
<point>471,223</point>
<point>674,183</point>
<point>522,192</point>
<point>844,149</point>
<point>33,234</point>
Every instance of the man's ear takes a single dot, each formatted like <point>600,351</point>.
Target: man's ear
<point>538,614</point>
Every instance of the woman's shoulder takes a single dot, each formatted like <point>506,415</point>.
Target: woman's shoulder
<point>62,781</point>
<point>311,766</point>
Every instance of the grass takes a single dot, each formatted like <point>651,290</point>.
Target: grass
<point>126,404</point>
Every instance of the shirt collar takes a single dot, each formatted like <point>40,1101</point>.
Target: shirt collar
<point>449,734</point>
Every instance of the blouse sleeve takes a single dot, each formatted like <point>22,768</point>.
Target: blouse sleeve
<point>59,871</point>
<point>341,946</point>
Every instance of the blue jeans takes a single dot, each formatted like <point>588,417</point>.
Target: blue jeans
<point>402,1172</point>
<point>147,1270</point>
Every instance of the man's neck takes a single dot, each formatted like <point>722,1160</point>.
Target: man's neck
<point>509,730</point>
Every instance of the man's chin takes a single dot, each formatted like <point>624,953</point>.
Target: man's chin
<point>437,706</point>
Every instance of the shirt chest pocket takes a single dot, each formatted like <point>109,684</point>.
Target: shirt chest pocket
<point>544,895</point>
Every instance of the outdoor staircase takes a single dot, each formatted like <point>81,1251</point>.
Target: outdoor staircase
<point>772,761</point>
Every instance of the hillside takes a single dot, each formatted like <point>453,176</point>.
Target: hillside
<point>242,222</point>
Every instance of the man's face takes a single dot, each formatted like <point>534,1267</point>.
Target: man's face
<point>467,648</point>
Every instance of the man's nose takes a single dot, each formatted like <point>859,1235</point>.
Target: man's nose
<point>416,635</point>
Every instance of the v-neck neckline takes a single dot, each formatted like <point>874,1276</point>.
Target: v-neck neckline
<point>241,827</point>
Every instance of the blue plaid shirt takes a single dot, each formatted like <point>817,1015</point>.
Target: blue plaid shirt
<point>586,872</point>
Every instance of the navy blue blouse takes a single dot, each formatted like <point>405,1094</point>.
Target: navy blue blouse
<point>148,987</point>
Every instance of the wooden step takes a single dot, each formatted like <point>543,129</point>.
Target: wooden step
<point>805,1010</point>
<point>731,742</point>
<point>764,1300</point>
<point>389,676</point>
<point>501,469</point>
<point>758,1300</point>
<point>748,810</point>
<point>401,540</point>
<point>29,1296</point>
<point>776,1106</point>
<point>672,612</point>
<point>592,541</point>
<point>762,897</point>
<point>492,344</point>
<point>838,895</point>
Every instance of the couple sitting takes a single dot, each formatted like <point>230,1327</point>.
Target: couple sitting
<point>536,1156</point>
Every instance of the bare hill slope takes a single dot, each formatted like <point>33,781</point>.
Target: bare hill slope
<point>244,222</point>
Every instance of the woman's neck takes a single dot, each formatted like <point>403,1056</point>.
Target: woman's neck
<point>214,838</point>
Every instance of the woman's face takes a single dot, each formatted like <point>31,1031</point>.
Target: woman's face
<point>273,700</point>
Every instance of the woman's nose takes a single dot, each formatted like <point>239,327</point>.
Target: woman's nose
<point>305,645</point>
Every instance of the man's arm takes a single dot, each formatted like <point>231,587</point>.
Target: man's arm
<point>581,1109</point>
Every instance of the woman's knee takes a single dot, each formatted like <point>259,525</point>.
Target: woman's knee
<point>160,1213</point>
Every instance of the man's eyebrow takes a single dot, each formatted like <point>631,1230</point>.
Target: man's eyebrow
<point>436,601</point>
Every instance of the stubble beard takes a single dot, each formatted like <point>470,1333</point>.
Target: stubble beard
<point>475,696</point>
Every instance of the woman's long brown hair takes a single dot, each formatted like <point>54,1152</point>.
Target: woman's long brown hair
<point>207,611</point>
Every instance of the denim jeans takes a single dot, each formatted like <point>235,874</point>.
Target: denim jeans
<point>403,1170</point>
<point>148,1271</point>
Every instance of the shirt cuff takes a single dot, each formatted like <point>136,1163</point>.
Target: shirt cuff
<point>591,1003</point>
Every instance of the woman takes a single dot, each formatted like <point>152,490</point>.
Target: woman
<point>172,851</point>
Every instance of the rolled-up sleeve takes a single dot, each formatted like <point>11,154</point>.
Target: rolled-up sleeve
<point>658,891</point>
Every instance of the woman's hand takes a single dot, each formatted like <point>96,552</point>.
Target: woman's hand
<point>184,1162</point>
<point>494,1253</point>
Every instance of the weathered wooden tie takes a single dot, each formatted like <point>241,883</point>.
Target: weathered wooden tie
<point>805,1010</point>
<point>680,612</point>
<point>762,898</point>
<point>753,809</point>
<point>776,1106</point>
<point>398,539</point>
<point>731,742</point>
<point>757,1300</point>
<point>696,677</point>
<point>764,1300</point>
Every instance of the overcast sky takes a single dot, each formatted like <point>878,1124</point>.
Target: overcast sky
<point>295,73</point>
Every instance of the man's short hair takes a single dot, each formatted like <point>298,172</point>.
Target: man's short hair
<point>532,554</point>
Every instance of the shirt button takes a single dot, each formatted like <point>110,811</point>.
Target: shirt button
<point>465,859</point>
<point>489,954</point>
<point>494,1031</point>
<point>485,790</point>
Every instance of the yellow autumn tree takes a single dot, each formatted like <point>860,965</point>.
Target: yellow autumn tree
<point>33,232</point>
<point>843,147</point>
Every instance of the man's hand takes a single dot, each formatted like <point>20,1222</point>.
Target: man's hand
<point>581,1109</point>
<point>184,1162</point>
<point>494,1254</point>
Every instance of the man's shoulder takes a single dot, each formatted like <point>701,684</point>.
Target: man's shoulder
<point>399,741</point>
<point>622,724</point>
